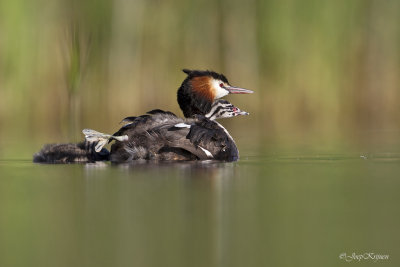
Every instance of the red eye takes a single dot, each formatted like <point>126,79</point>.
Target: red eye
<point>221,85</point>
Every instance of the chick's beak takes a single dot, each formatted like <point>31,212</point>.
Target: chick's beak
<point>237,90</point>
<point>238,112</point>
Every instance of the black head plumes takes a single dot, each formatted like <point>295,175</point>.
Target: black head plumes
<point>201,73</point>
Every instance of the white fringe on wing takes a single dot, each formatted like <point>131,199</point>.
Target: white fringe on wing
<point>182,125</point>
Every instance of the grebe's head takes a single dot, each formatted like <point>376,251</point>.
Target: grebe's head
<point>222,109</point>
<point>200,88</point>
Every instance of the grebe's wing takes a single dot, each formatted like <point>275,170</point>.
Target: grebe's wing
<point>202,137</point>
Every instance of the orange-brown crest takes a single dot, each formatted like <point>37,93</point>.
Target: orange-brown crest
<point>202,87</point>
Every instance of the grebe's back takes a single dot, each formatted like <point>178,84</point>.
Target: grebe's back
<point>161,135</point>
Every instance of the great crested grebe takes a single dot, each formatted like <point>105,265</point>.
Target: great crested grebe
<point>161,135</point>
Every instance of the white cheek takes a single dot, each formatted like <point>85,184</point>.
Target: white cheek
<point>219,92</point>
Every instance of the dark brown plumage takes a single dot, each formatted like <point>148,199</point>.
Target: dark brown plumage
<point>82,152</point>
<point>164,136</point>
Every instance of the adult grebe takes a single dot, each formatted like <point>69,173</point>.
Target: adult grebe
<point>161,135</point>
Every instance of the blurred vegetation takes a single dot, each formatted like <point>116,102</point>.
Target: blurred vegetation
<point>319,68</point>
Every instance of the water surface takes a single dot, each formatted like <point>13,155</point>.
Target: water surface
<point>268,210</point>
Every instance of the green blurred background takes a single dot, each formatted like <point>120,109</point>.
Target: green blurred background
<point>325,73</point>
<point>320,152</point>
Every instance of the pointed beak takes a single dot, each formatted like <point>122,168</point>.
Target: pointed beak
<point>237,90</point>
<point>238,112</point>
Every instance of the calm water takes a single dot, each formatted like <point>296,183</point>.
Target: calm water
<point>271,210</point>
